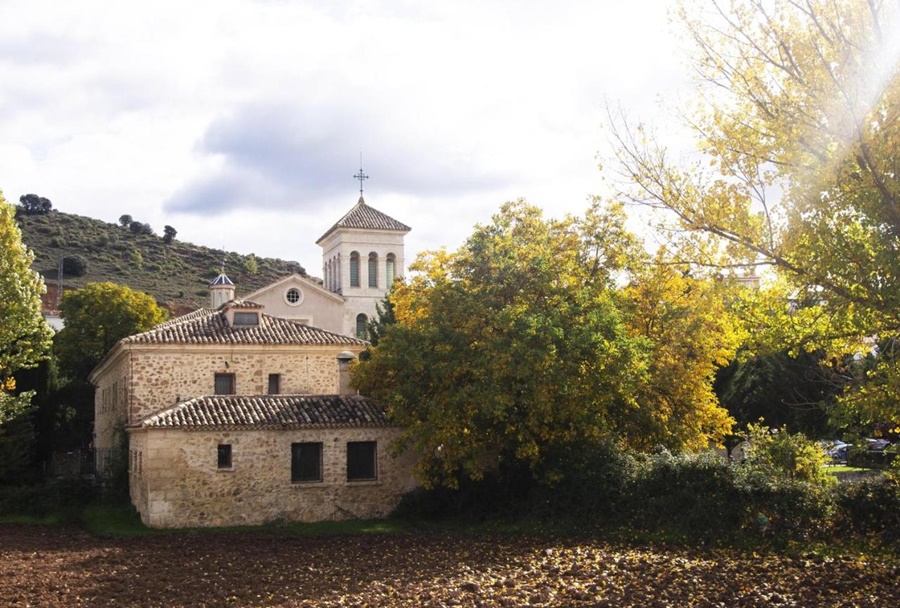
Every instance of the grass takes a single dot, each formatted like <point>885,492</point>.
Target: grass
<point>170,272</point>
<point>114,521</point>
<point>842,468</point>
<point>107,521</point>
<point>44,520</point>
<point>124,522</point>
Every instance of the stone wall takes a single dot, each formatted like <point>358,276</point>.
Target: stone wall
<point>164,377</point>
<point>176,481</point>
<point>111,396</point>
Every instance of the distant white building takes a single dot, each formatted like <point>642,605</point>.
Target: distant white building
<point>362,254</point>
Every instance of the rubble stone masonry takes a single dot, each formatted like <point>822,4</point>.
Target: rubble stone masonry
<point>176,481</point>
<point>139,382</point>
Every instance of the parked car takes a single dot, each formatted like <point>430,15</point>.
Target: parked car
<point>838,451</point>
<point>877,445</point>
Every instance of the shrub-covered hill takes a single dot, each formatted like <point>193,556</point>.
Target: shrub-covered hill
<point>175,273</point>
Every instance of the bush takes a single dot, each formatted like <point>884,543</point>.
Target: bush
<point>47,498</point>
<point>688,494</point>
<point>137,227</point>
<point>870,507</point>
<point>699,496</point>
<point>779,454</point>
<point>591,483</point>
<point>496,495</point>
<point>783,508</point>
<point>75,266</point>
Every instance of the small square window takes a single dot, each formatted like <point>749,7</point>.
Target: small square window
<point>246,318</point>
<point>306,462</point>
<point>361,461</point>
<point>274,384</point>
<point>224,456</point>
<point>224,384</point>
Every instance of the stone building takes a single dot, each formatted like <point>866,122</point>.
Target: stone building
<point>240,413</point>
<point>231,416</point>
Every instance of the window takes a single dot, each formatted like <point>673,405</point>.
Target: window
<point>373,269</point>
<point>306,462</point>
<point>361,331</point>
<point>224,384</point>
<point>354,269</point>
<point>293,296</point>
<point>361,460</point>
<point>246,318</point>
<point>389,270</point>
<point>274,384</point>
<point>224,456</point>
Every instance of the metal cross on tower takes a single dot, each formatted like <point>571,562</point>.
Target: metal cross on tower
<point>360,176</point>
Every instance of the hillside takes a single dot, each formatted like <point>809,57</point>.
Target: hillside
<point>176,274</point>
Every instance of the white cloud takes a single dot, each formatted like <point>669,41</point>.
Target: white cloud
<point>240,122</point>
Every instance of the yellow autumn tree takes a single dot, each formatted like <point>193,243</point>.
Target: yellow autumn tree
<point>24,335</point>
<point>796,117</point>
<point>523,343</point>
<point>692,332</point>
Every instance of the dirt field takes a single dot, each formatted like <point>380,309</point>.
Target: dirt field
<point>46,566</point>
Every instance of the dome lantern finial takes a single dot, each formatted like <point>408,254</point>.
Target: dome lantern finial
<point>361,177</point>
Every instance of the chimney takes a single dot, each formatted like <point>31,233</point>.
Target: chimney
<point>344,358</point>
<point>221,291</point>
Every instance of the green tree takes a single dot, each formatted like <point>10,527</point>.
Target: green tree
<point>24,335</point>
<point>251,264</point>
<point>137,227</point>
<point>796,391</point>
<point>75,265</point>
<point>384,316</point>
<point>169,234</point>
<point>125,220</point>
<point>96,317</point>
<point>797,120</point>
<point>32,204</point>
<point>521,344</point>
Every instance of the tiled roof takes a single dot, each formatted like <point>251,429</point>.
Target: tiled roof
<point>367,218</point>
<point>270,411</point>
<point>242,304</point>
<point>207,326</point>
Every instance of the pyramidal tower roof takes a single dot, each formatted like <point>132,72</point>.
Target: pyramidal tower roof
<point>364,217</point>
<point>221,281</point>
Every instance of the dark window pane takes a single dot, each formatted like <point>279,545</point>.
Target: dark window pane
<point>224,384</point>
<point>274,384</point>
<point>246,318</point>
<point>225,456</point>
<point>373,270</point>
<point>389,272</point>
<point>354,269</point>
<point>360,460</point>
<point>306,462</point>
<point>361,331</point>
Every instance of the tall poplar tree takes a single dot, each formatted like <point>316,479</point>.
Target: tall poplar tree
<point>798,121</point>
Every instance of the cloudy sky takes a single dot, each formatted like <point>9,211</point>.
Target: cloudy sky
<point>241,122</point>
